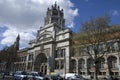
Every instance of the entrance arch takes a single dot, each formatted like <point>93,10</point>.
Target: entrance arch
<point>40,63</point>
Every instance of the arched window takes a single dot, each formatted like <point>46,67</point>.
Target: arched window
<point>62,53</point>
<point>56,64</point>
<point>119,45</point>
<point>62,64</point>
<point>112,62</point>
<point>101,63</point>
<point>112,47</point>
<point>81,63</point>
<point>90,63</point>
<point>73,65</point>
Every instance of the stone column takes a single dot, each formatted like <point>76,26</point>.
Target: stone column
<point>67,56</point>
<point>33,61</point>
<point>85,66</point>
<point>106,66</point>
<point>77,70</point>
<point>26,62</point>
<point>118,63</point>
<point>48,67</point>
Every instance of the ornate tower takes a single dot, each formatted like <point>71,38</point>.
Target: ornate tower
<point>52,39</point>
<point>16,44</point>
<point>55,15</point>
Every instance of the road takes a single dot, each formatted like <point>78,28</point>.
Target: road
<point>7,78</point>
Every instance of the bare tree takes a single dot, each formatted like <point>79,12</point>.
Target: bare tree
<point>9,54</point>
<point>3,54</point>
<point>95,34</point>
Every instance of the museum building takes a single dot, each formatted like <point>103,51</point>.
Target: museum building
<point>52,51</point>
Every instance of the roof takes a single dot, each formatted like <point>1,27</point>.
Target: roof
<point>23,50</point>
<point>112,33</point>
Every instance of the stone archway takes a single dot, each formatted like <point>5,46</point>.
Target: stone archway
<point>112,64</point>
<point>73,67</point>
<point>81,63</point>
<point>90,63</point>
<point>112,61</point>
<point>101,62</point>
<point>90,66</point>
<point>81,66</point>
<point>40,63</point>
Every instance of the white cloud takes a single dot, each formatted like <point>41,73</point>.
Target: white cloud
<point>26,16</point>
<point>71,25</point>
<point>115,12</point>
<point>11,34</point>
<point>86,0</point>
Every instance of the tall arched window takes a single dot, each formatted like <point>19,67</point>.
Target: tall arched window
<point>112,62</point>
<point>90,63</point>
<point>101,63</point>
<point>73,65</point>
<point>81,63</point>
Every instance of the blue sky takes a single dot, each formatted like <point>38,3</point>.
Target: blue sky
<point>25,17</point>
<point>96,8</point>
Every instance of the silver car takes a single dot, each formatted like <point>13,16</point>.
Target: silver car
<point>35,76</point>
<point>20,75</point>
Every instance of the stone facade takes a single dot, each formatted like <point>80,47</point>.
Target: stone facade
<point>20,63</point>
<point>107,65</point>
<point>50,51</point>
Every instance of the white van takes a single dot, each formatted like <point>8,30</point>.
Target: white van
<point>73,76</point>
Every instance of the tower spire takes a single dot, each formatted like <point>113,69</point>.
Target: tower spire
<point>18,37</point>
<point>55,4</point>
<point>55,15</point>
<point>17,42</point>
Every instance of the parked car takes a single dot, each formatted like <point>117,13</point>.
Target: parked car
<point>56,77</point>
<point>20,75</point>
<point>11,73</point>
<point>73,76</point>
<point>36,76</point>
<point>1,75</point>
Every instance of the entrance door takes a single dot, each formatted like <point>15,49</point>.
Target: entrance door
<point>40,63</point>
